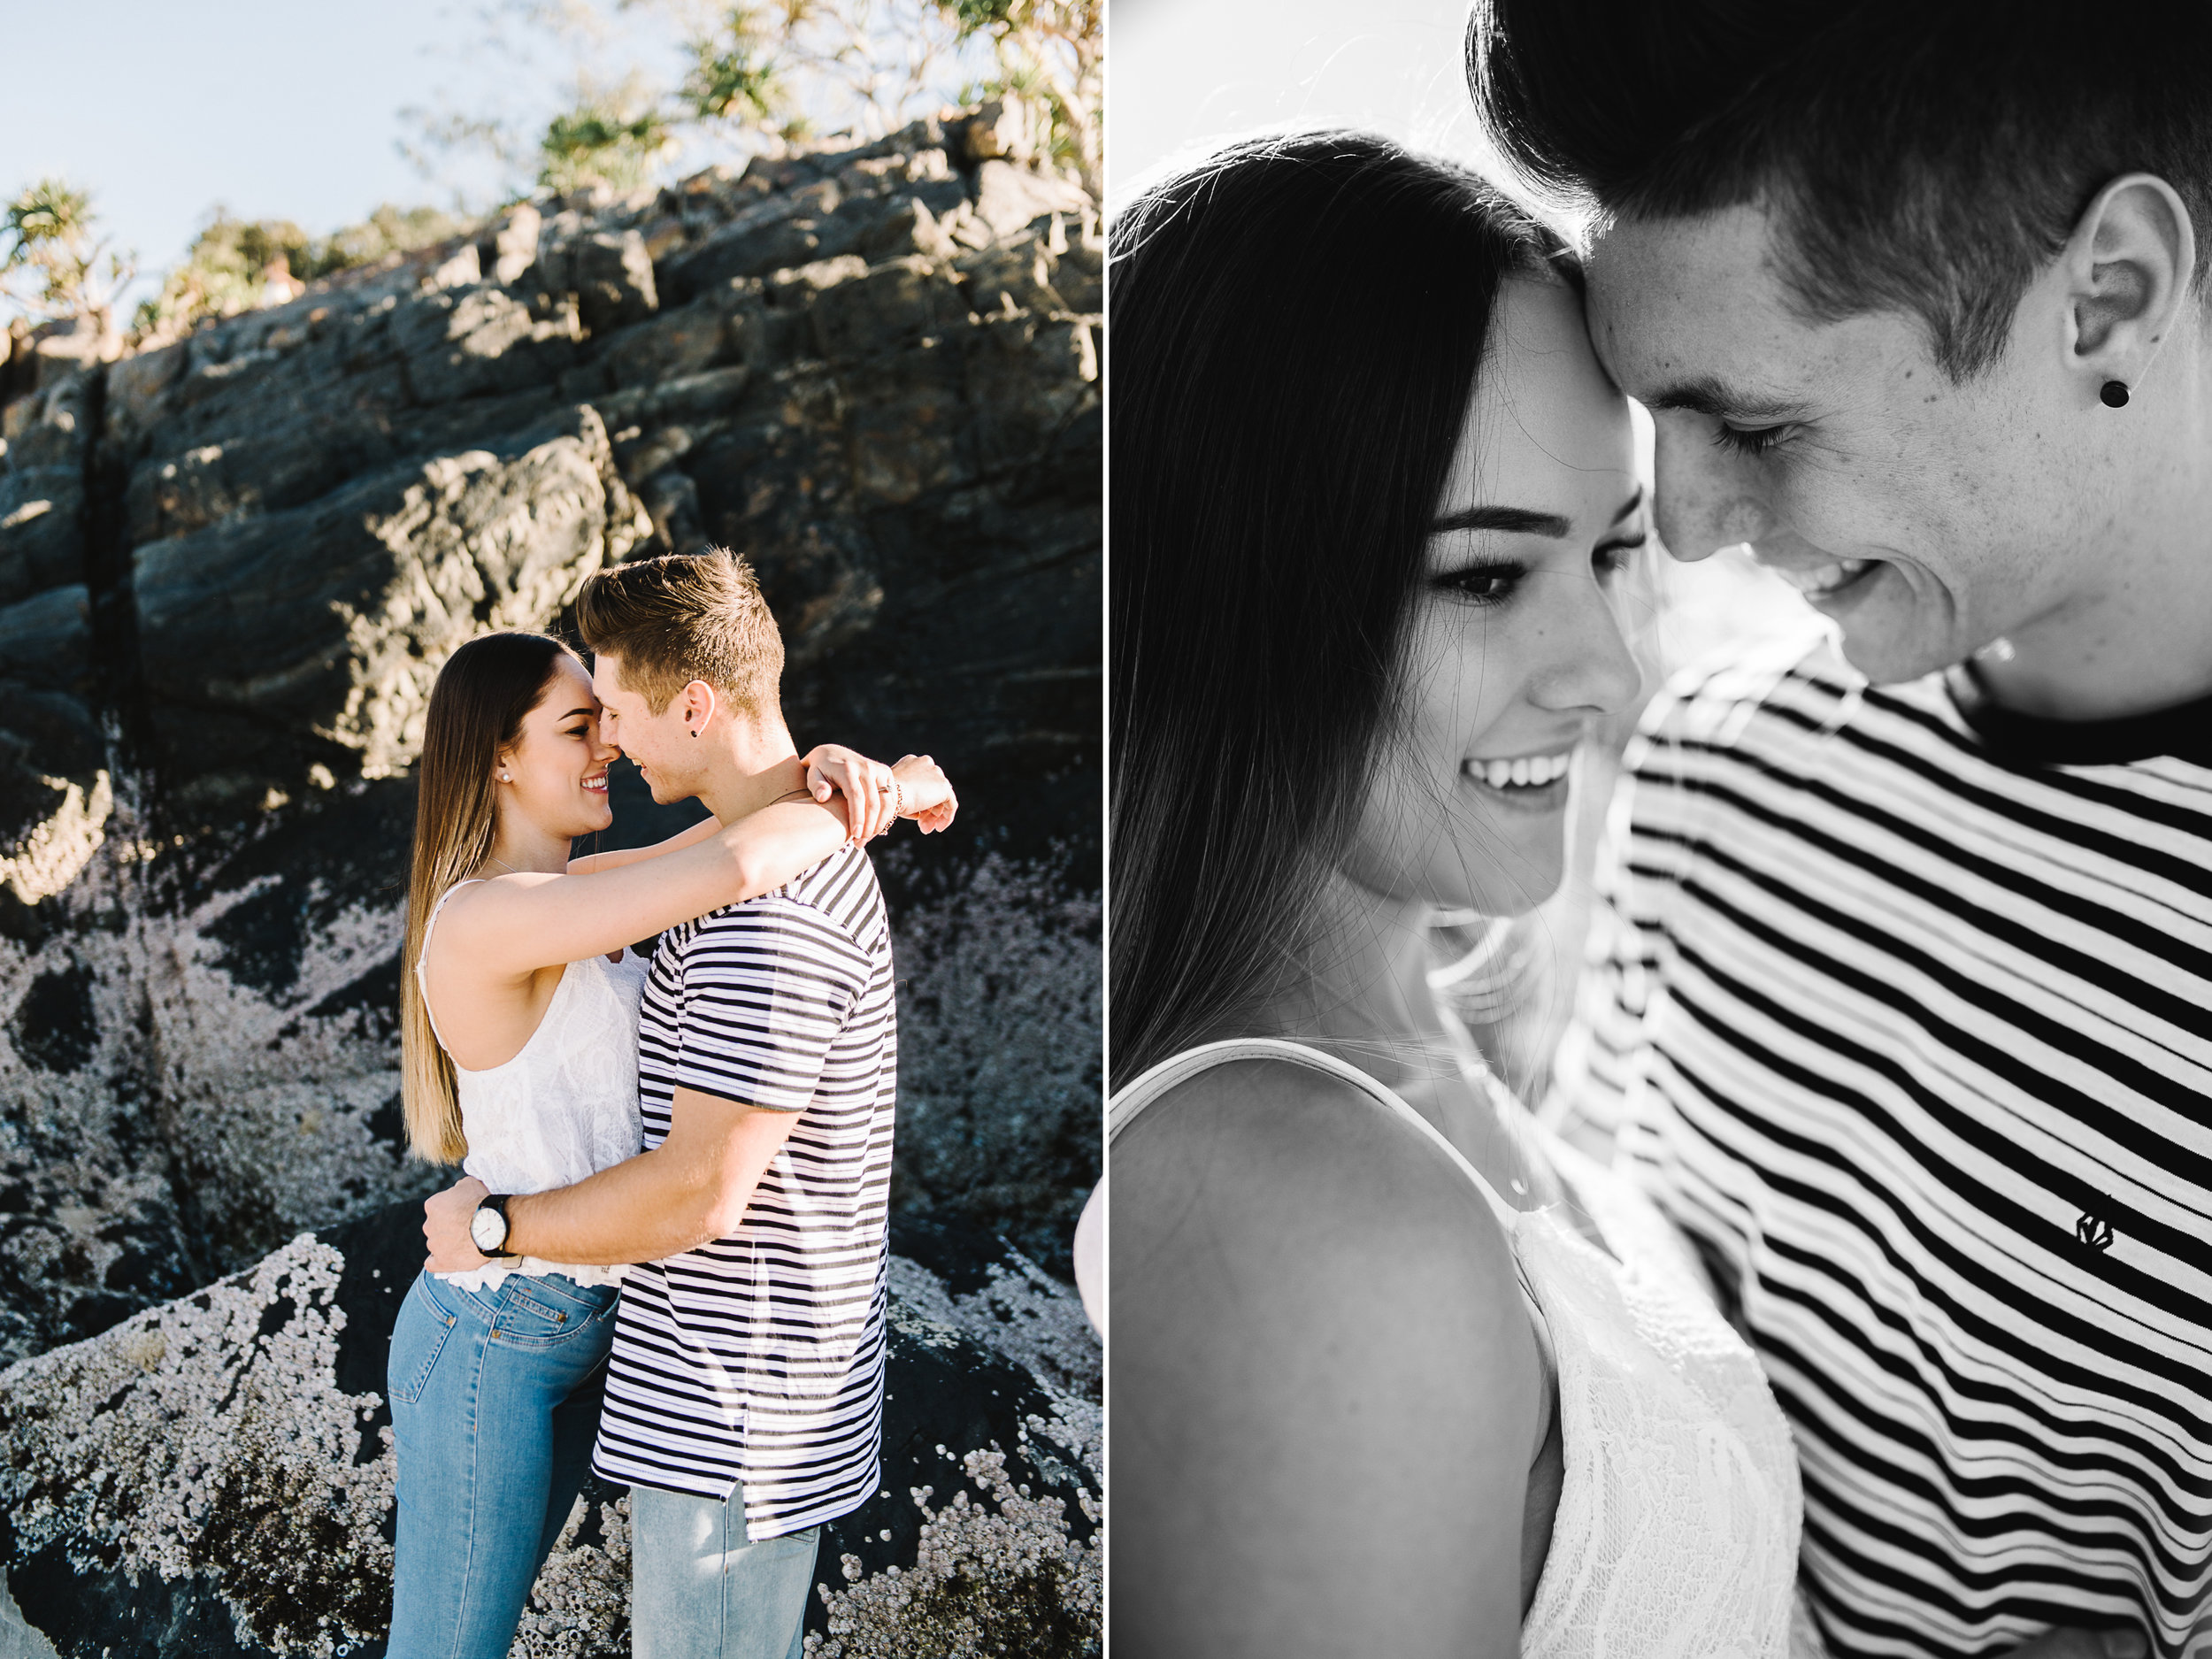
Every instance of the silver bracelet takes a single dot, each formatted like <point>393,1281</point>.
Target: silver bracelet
<point>898,800</point>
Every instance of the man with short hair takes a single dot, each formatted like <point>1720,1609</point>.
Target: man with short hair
<point>1902,992</point>
<point>744,1395</point>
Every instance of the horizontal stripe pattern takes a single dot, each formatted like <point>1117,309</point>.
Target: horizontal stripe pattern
<point>1916,1043</point>
<point>759,1358</point>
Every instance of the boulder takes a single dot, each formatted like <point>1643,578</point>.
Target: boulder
<point>609,271</point>
<point>409,563</point>
<point>469,342</point>
<point>42,485</point>
<point>673,345</point>
<point>1008,198</point>
<point>48,639</point>
<point>510,243</point>
<point>214,1476</point>
<point>41,511</point>
<point>885,308</point>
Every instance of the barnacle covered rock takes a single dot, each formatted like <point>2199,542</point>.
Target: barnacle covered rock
<point>215,1475</point>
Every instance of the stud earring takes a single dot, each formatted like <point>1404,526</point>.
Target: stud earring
<point>2115,393</point>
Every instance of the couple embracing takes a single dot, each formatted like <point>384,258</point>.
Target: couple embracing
<point>719,1114</point>
<point>1857,1297</point>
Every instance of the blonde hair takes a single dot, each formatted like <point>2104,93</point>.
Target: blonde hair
<point>686,617</point>
<point>476,710</point>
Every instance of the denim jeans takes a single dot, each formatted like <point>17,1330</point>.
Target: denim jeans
<point>495,1402</point>
<point>700,1589</point>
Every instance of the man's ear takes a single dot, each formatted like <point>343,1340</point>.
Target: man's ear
<point>2129,267</point>
<point>700,704</point>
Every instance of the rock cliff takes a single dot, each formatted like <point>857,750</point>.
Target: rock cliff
<point>230,567</point>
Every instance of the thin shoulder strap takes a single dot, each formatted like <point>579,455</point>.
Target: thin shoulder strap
<point>422,956</point>
<point>1122,1108</point>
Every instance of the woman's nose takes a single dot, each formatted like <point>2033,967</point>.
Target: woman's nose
<point>1592,670</point>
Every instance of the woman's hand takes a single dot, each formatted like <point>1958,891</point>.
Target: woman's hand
<point>445,1227</point>
<point>926,794</point>
<point>865,784</point>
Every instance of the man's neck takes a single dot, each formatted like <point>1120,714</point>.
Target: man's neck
<point>2136,637</point>
<point>748,768</point>
<point>2142,645</point>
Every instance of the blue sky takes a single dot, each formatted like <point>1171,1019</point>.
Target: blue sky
<point>274,109</point>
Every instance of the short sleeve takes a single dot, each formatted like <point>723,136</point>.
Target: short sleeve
<point>767,987</point>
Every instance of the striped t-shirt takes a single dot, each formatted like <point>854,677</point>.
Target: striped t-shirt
<point>759,1357</point>
<point>1903,1008</point>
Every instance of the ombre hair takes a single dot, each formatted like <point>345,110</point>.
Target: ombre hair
<point>477,708</point>
<point>1299,323</point>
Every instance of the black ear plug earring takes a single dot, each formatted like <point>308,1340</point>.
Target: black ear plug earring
<point>2115,393</point>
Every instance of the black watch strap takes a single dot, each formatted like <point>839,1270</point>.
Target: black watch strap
<point>496,1202</point>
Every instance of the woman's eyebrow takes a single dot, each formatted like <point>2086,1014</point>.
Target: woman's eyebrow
<point>1513,521</point>
<point>1519,520</point>
<point>572,713</point>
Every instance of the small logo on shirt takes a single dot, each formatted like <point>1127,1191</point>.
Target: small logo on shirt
<point>2093,1231</point>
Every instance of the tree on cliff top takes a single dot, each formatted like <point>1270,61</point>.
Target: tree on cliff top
<point>227,269</point>
<point>772,64</point>
<point>1051,54</point>
<point>788,68</point>
<point>610,135</point>
<point>51,261</point>
<point>758,74</point>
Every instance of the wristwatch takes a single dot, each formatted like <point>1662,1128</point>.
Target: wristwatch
<point>487,1227</point>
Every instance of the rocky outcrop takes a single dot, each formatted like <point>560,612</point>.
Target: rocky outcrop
<point>230,566</point>
<point>872,371</point>
<point>214,1477</point>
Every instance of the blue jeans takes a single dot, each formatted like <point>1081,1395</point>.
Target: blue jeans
<point>700,1589</point>
<point>495,1404</point>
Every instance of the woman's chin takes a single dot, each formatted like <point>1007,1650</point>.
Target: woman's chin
<point>1503,895</point>
<point>590,821</point>
<point>1516,864</point>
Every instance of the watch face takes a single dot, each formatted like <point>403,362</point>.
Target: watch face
<point>488,1228</point>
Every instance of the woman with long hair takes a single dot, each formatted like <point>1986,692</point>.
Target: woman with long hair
<point>1393,1369</point>
<point>520,1047</point>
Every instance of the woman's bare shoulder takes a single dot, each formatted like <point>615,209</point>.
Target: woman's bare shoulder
<point>1325,1388</point>
<point>1283,1160</point>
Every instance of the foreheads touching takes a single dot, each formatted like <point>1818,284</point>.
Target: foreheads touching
<point>1928,159</point>
<point>1883,274</point>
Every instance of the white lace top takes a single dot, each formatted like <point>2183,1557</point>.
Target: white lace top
<point>564,1107</point>
<point>1677,1528</point>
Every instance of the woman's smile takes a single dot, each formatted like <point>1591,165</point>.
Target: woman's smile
<point>1526,783</point>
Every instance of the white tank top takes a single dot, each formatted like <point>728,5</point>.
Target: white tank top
<point>564,1107</point>
<point>1676,1533</point>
